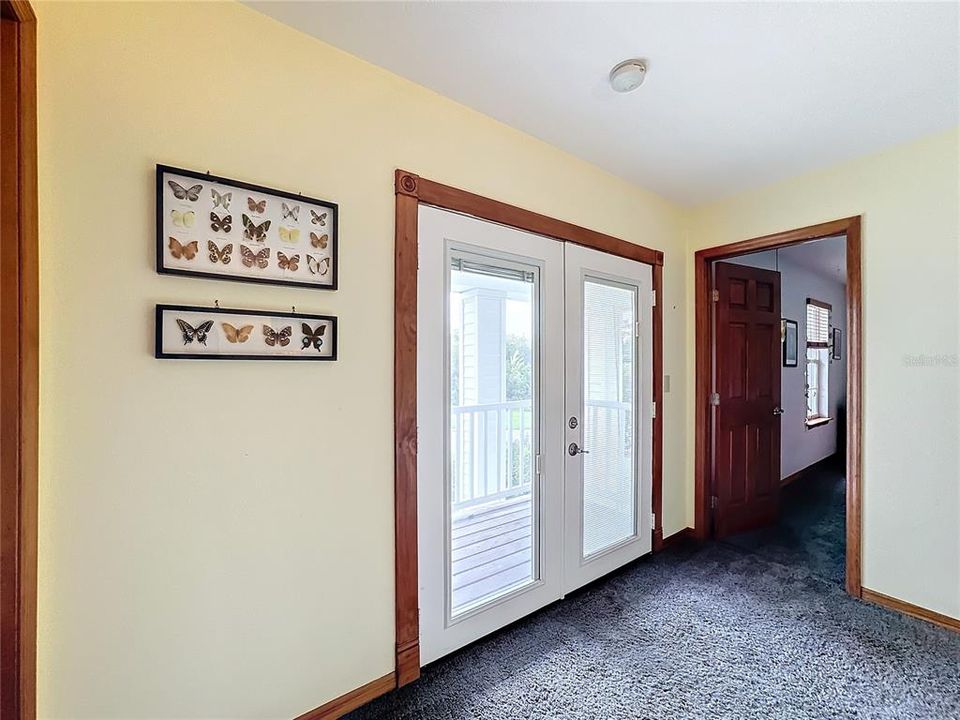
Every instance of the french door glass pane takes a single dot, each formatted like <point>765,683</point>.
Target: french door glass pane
<point>492,431</point>
<point>609,368</point>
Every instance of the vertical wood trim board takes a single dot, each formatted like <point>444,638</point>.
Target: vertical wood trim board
<point>19,361</point>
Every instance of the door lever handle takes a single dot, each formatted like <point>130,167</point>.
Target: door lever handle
<point>575,449</point>
<point>778,411</point>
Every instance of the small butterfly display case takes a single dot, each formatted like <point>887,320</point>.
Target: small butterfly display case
<point>214,227</point>
<point>204,333</point>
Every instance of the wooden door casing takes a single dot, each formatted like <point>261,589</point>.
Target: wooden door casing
<point>746,477</point>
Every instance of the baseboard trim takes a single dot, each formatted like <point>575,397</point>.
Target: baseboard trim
<point>828,460</point>
<point>338,707</point>
<point>910,609</point>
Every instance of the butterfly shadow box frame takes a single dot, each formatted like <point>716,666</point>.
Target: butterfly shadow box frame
<point>190,332</point>
<point>214,227</point>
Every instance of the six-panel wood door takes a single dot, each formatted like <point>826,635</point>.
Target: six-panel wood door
<point>746,477</point>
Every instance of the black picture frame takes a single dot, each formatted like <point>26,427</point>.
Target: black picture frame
<point>159,352</point>
<point>789,334</point>
<point>332,207</point>
<point>835,344</point>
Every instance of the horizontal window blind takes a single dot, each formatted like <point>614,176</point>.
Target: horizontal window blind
<point>818,323</point>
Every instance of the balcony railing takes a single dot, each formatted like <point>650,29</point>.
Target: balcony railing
<point>491,451</point>
<point>492,448</point>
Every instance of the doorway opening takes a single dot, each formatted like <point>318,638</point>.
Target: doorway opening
<point>535,421</point>
<point>516,278</point>
<point>778,377</point>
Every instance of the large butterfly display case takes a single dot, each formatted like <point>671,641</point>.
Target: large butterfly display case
<point>214,227</point>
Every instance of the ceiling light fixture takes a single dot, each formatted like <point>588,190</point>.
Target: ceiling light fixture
<point>628,75</point>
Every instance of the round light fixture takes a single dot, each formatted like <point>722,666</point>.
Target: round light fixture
<point>628,75</point>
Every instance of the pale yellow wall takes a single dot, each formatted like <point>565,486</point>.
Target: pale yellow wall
<point>910,201</point>
<point>216,538</point>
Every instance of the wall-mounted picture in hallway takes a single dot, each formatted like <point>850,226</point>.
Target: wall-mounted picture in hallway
<point>204,333</point>
<point>788,338</point>
<point>213,227</point>
<point>835,344</point>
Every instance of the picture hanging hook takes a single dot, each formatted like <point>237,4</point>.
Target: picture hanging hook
<point>293,308</point>
<point>216,304</point>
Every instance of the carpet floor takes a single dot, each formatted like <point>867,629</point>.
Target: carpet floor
<point>811,532</point>
<point>723,630</point>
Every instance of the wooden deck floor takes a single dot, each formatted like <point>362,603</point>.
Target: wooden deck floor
<point>492,549</point>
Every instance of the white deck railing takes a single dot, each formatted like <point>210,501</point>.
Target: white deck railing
<point>492,449</point>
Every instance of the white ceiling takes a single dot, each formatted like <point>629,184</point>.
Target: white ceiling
<point>737,95</point>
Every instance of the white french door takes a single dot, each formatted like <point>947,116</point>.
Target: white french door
<point>489,496</point>
<point>517,335</point>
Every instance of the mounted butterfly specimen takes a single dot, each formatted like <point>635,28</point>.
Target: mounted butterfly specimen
<point>289,235</point>
<point>236,335</point>
<point>179,250</point>
<point>220,223</point>
<point>183,219</point>
<point>259,259</point>
<point>318,267</point>
<point>290,213</point>
<point>219,255</point>
<point>318,218</point>
<point>258,207</point>
<point>219,200</point>
<point>254,232</point>
<point>277,337</point>
<point>312,338</point>
<point>181,193</point>
<point>198,333</point>
<point>287,263</point>
<point>319,241</point>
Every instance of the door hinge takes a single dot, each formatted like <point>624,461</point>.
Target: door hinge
<point>714,502</point>
<point>653,298</point>
<point>538,464</point>
<point>715,295</point>
<point>714,398</point>
<point>653,520</point>
<point>636,330</point>
<point>653,408</point>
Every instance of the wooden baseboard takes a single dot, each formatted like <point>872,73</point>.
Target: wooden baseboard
<point>338,707</point>
<point>819,464</point>
<point>910,609</point>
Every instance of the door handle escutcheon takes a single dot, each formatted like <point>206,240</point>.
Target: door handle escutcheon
<point>778,410</point>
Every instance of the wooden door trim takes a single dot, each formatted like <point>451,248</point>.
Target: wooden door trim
<point>19,363</point>
<point>703,259</point>
<point>411,191</point>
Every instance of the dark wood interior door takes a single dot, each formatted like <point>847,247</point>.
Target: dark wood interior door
<point>746,436</point>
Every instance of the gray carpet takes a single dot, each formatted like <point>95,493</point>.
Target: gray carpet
<point>811,531</point>
<point>719,631</point>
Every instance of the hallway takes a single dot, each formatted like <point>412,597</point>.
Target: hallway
<point>811,532</point>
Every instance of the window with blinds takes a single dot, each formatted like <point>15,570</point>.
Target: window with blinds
<point>818,342</point>
<point>818,323</point>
